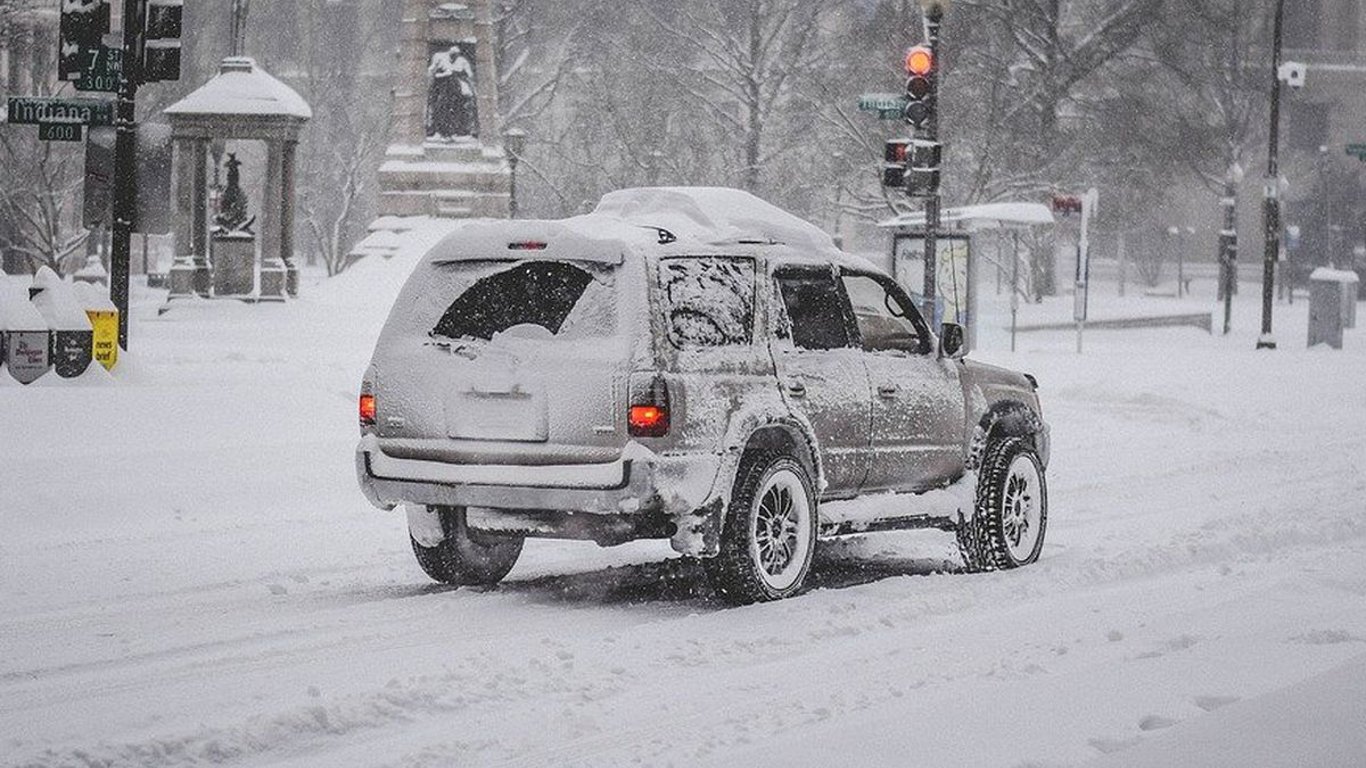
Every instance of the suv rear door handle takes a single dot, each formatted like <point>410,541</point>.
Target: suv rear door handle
<point>796,389</point>
<point>888,390</point>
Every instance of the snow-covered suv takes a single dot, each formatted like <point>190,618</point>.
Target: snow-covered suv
<point>693,365</point>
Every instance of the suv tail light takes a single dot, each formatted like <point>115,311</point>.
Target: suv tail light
<point>649,412</point>
<point>367,409</point>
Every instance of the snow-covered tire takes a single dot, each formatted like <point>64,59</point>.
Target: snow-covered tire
<point>769,535</point>
<point>1011,515</point>
<point>465,557</point>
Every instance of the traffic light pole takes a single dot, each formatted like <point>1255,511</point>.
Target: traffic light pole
<point>934,16</point>
<point>1273,187</point>
<point>125,165</point>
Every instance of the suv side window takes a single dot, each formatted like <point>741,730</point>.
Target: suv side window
<point>815,309</point>
<point>709,301</point>
<point>886,319</point>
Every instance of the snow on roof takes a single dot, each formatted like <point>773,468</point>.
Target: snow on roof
<point>241,87</point>
<point>988,215</point>
<point>1328,275</point>
<point>713,215</point>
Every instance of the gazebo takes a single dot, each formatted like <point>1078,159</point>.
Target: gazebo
<point>242,102</point>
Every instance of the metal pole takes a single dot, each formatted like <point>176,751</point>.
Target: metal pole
<point>933,17</point>
<point>1180,266</point>
<point>1273,187</point>
<point>512,185</point>
<point>1014,289</point>
<point>125,166</point>
<point>1228,252</point>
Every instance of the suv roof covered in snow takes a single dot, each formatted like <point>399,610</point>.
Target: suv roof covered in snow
<point>685,219</point>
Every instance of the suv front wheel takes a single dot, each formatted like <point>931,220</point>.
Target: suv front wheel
<point>466,557</point>
<point>1011,514</point>
<point>769,536</point>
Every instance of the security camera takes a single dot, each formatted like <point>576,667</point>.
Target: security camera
<point>1293,74</point>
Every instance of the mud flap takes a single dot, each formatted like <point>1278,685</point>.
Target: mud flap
<point>699,531</point>
<point>424,525</point>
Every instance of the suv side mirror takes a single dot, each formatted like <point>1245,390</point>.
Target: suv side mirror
<point>951,342</point>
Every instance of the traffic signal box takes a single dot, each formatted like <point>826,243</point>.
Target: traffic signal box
<point>83,27</point>
<point>913,164</point>
<point>919,88</point>
<point>161,49</point>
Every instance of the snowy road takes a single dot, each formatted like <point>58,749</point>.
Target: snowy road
<point>188,575</point>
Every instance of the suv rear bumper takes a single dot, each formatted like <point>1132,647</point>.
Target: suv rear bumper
<point>640,484</point>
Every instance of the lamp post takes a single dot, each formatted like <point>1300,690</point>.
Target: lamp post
<point>934,16</point>
<point>514,139</point>
<point>1272,214</point>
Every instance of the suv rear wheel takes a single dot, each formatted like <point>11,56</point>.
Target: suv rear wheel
<point>769,537</point>
<point>466,557</point>
<point>1011,515</point>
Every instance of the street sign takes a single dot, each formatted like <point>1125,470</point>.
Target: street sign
<point>104,71</point>
<point>60,131</point>
<point>889,106</point>
<point>1358,151</point>
<point>25,110</point>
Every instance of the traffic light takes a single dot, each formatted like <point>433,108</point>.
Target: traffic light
<point>161,53</point>
<point>83,27</point>
<point>919,88</point>
<point>894,163</point>
<point>922,168</point>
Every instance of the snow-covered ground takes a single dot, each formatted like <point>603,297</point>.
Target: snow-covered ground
<point>188,575</point>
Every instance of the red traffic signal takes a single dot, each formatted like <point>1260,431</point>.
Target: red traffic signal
<point>897,151</point>
<point>1066,204</point>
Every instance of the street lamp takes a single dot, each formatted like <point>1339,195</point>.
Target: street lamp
<point>514,140</point>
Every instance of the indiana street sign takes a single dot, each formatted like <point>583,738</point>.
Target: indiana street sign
<point>104,71</point>
<point>24,110</point>
<point>1358,151</point>
<point>889,106</point>
<point>60,131</point>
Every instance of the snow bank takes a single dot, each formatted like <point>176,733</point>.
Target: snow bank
<point>57,302</point>
<point>17,313</point>
<point>1316,722</point>
<point>94,298</point>
<point>392,250</point>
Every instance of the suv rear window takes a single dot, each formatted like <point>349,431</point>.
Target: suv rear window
<point>564,299</point>
<point>709,302</point>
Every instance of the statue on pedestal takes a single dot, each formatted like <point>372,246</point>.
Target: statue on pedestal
<point>452,109</point>
<point>232,208</point>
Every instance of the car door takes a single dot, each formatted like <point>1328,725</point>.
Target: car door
<point>821,371</point>
<point>917,433</point>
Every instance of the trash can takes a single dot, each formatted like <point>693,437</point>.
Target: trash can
<point>1329,293</point>
<point>72,336</point>
<point>104,322</point>
<point>28,340</point>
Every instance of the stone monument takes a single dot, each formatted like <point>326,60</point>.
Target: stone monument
<point>445,156</point>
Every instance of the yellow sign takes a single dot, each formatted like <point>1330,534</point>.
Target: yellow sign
<point>106,327</point>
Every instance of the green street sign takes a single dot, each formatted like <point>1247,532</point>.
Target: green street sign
<point>104,72</point>
<point>25,110</point>
<point>60,131</point>
<point>1358,151</point>
<point>888,106</point>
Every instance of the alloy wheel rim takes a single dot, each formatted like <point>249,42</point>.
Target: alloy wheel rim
<point>781,534</point>
<point>1022,512</point>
